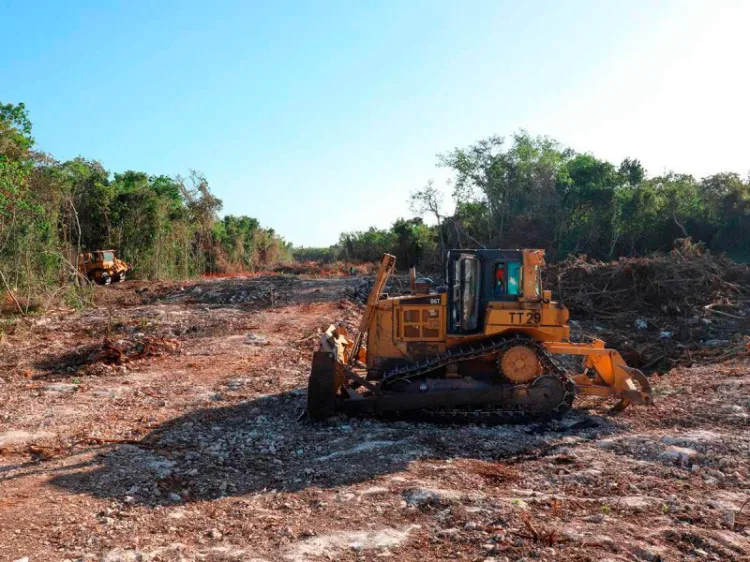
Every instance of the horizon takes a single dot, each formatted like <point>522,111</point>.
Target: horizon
<point>336,114</point>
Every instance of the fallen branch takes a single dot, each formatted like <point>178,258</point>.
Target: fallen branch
<point>653,362</point>
<point>311,336</point>
<point>12,296</point>
<point>733,352</point>
<point>739,513</point>
<point>724,304</point>
<point>727,314</point>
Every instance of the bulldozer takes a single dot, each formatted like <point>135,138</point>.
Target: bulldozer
<point>102,267</point>
<point>487,343</point>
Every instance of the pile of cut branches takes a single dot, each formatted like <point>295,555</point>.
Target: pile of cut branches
<point>683,306</point>
<point>679,283</point>
<point>122,351</point>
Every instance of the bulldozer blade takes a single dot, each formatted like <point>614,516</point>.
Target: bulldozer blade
<point>326,377</point>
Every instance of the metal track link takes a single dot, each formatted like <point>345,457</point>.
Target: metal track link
<point>517,414</point>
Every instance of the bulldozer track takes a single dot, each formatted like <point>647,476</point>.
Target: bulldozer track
<point>518,413</point>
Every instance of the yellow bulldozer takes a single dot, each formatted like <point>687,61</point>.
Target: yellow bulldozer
<point>102,267</point>
<point>487,342</point>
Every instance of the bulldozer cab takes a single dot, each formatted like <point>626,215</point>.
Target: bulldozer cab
<point>102,266</point>
<point>104,256</point>
<point>476,278</point>
<point>97,257</point>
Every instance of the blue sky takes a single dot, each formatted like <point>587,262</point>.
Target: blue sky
<point>319,117</point>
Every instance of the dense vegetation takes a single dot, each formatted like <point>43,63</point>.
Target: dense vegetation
<point>533,192</point>
<point>164,227</point>
<point>525,192</point>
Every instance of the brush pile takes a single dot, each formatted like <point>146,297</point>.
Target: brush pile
<point>679,283</point>
<point>113,352</point>
<point>684,306</point>
<point>120,352</point>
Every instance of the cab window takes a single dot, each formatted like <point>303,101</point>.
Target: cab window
<point>470,293</point>
<point>507,279</point>
<point>500,287</point>
<point>515,283</point>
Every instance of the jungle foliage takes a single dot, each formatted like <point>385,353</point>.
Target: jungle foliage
<point>533,192</point>
<point>164,227</point>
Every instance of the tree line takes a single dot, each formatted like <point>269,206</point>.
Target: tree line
<point>164,227</point>
<point>533,192</point>
<point>524,191</point>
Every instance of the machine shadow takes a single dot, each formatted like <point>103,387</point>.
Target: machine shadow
<point>260,445</point>
<point>66,364</point>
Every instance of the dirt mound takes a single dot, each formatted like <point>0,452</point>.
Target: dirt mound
<point>318,269</point>
<point>678,307</point>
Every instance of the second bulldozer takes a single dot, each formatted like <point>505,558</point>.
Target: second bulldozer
<point>484,343</point>
<point>102,266</point>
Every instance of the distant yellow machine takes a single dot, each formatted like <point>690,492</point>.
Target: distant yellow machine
<point>102,266</point>
<point>485,342</point>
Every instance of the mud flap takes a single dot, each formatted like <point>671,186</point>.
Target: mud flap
<point>326,377</point>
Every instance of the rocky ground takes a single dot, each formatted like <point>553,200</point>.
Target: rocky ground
<point>192,448</point>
